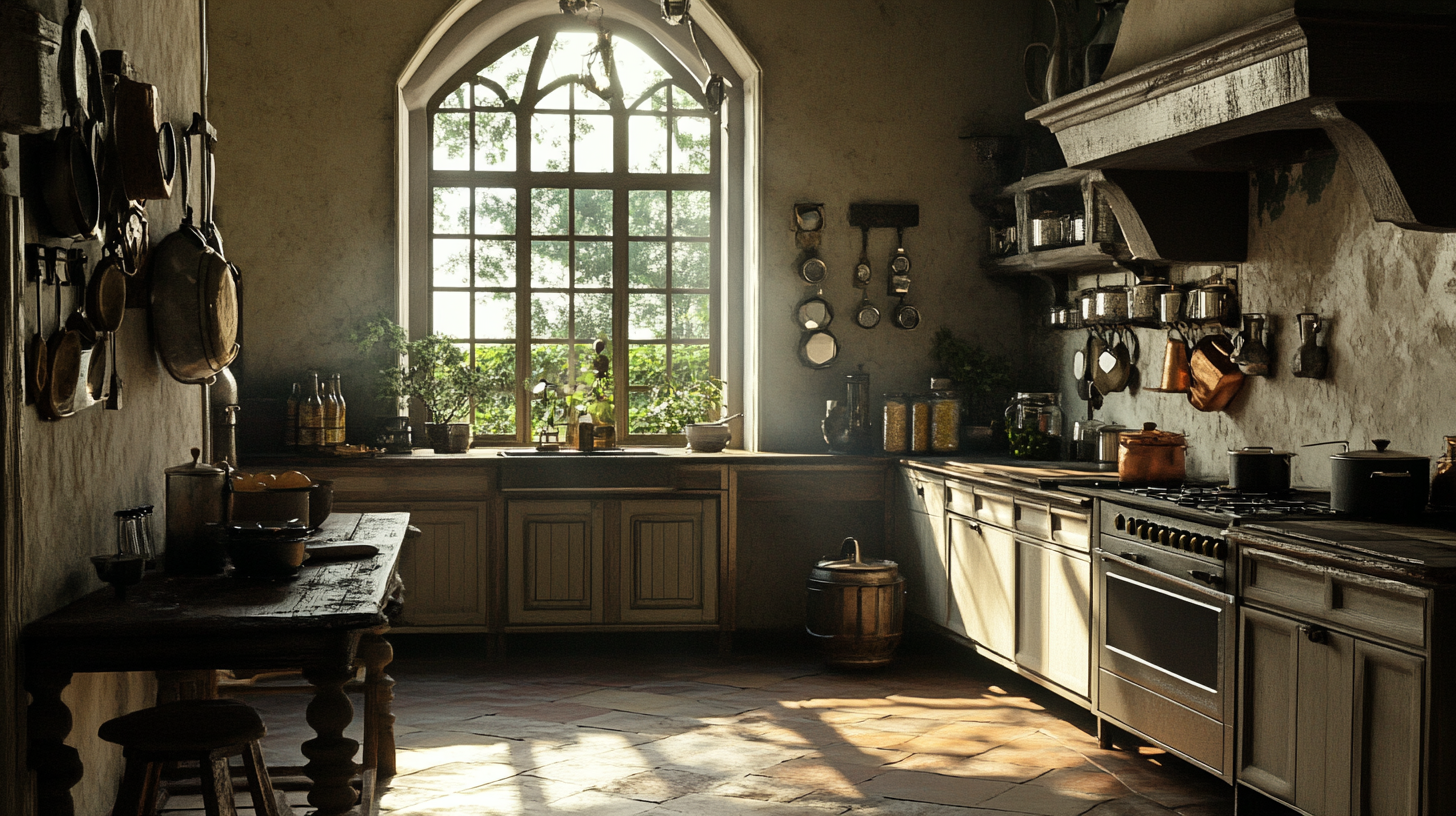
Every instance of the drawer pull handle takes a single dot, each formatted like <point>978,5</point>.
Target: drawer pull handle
<point>920,491</point>
<point>1381,474</point>
<point>1206,577</point>
<point>1132,556</point>
<point>1316,634</point>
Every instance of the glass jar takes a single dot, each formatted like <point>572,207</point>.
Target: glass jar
<point>1034,425</point>
<point>896,423</point>
<point>920,424</point>
<point>945,421</point>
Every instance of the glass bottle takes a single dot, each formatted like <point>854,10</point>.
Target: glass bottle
<point>343,424</point>
<point>331,413</point>
<point>311,415</point>
<point>896,423</point>
<point>1443,484</point>
<point>290,418</point>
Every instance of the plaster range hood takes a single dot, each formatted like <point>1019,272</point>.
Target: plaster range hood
<point>1379,89</point>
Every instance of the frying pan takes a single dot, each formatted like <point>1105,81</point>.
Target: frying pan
<point>58,398</point>
<point>71,190</point>
<point>106,295</point>
<point>147,149</point>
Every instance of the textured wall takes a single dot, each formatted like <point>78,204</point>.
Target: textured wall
<point>1390,295</point>
<point>862,100</point>
<point>77,471</point>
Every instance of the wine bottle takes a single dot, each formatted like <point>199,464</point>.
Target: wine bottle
<point>331,413</point>
<point>343,424</point>
<point>311,415</point>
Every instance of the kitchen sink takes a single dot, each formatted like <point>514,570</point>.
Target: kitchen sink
<point>612,452</point>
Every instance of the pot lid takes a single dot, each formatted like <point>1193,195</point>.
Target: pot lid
<point>850,563</point>
<point>1379,452</point>
<point>1260,450</point>
<point>195,468</point>
<point>1150,435</point>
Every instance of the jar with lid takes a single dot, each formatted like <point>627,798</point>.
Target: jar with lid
<point>1034,425</point>
<point>920,424</point>
<point>896,427</point>
<point>945,421</point>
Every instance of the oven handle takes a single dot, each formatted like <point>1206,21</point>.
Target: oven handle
<point>1125,561</point>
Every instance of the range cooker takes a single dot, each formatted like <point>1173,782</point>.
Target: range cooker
<point>1167,628</point>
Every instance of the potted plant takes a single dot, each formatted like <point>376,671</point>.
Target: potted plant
<point>433,370</point>
<point>982,377</point>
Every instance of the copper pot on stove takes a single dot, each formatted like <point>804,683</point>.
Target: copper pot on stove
<point>1151,457</point>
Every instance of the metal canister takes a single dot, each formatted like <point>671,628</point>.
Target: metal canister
<point>855,608</point>
<point>195,502</point>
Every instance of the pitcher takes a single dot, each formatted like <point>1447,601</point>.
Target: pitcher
<point>1063,71</point>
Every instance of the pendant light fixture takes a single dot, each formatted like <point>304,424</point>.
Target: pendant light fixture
<point>675,12</point>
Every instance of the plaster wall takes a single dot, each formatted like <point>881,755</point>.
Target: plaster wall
<point>863,101</point>
<point>76,472</point>
<point>1390,297</point>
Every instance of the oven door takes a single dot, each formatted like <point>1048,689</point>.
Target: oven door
<point>1166,658</point>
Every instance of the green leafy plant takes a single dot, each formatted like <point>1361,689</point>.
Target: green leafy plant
<point>431,369</point>
<point>975,370</point>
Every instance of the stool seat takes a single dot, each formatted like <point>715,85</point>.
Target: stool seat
<point>204,731</point>
<point>186,726</point>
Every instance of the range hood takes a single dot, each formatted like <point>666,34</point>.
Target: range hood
<point>1378,88</point>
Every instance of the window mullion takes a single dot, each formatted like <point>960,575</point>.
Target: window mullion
<point>620,231</point>
<point>523,279</point>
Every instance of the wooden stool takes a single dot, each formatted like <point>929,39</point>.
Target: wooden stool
<point>203,731</point>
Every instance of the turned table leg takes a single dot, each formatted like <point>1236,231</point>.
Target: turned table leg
<point>330,755</point>
<point>56,765</point>
<point>378,705</point>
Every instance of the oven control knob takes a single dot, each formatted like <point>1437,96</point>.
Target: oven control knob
<point>1120,522</point>
<point>1143,529</point>
<point>1198,543</point>
<point>1220,549</point>
<point>1185,541</point>
<point>1166,536</point>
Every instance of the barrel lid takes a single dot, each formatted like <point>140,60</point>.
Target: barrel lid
<point>851,563</point>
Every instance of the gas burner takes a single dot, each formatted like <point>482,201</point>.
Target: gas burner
<point>1223,500</point>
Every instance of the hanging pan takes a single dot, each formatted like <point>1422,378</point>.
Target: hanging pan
<point>63,351</point>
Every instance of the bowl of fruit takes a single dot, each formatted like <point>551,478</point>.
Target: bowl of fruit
<point>273,498</point>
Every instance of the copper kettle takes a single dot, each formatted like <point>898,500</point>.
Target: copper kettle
<point>1177,378</point>
<point>1216,377</point>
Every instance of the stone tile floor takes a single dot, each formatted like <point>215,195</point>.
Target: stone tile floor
<point>616,727</point>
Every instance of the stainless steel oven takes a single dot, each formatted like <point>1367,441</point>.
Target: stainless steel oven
<point>1166,635</point>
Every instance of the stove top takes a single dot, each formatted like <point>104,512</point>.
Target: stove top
<point>1223,501</point>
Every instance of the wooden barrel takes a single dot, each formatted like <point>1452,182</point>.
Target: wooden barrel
<point>855,609</point>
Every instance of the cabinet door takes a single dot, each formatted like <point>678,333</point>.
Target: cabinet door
<point>983,583</point>
<point>1054,616</point>
<point>554,562</point>
<point>920,548</point>
<point>444,569</point>
<point>1322,724</point>
<point>669,561</point>
<point>1268,696</point>
<point>1387,720</point>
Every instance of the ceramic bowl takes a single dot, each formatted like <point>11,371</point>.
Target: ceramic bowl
<point>708,438</point>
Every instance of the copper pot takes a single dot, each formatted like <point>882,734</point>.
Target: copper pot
<point>1151,456</point>
<point>1216,377</point>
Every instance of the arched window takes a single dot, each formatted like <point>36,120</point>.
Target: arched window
<point>574,184</point>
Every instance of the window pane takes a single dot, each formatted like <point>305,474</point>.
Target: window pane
<point>690,317</point>
<point>635,70</point>
<point>647,212</point>
<point>450,314</point>
<point>584,100</point>
<point>549,147</point>
<point>549,315</point>
<point>452,142</point>
<point>452,210</point>
<point>594,316</point>
<point>567,50</point>
<point>682,100</point>
<point>692,212</point>
<point>548,361</point>
<point>496,413</point>
<point>548,211</point>
<point>495,211</point>
<point>647,265</point>
<point>593,212</point>
<point>691,266</point>
<point>557,100</point>
<point>495,316</point>
<point>692,144</point>
<point>451,261</point>
<point>646,144</point>
<point>549,268</point>
<point>457,97</point>
<point>690,363</point>
<point>641,418</point>
<point>495,263</point>
<point>509,71</point>
<point>647,364</point>
<point>593,144</point>
<point>647,317</point>
<point>594,264</point>
<point>495,141</point>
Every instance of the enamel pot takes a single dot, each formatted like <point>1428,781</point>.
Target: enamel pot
<point>1380,482</point>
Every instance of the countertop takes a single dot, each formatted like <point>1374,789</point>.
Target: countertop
<point>483,457</point>
<point>1423,551</point>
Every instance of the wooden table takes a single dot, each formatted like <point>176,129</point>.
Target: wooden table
<point>314,621</point>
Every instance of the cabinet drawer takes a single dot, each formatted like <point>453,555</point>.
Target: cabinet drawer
<point>980,503</point>
<point>927,492</point>
<point>1071,529</point>
<point>1378,606</point>
<point>1033,518</point>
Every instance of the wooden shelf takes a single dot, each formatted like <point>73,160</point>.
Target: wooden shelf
<point>1379,88</point>
<point>1085,258</point>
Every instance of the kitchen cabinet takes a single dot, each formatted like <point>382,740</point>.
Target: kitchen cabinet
<point>444,570</point>
<point>983,588</point>
<point>1331,716</point>
<point>1054,614</point>
<point>920,546</point>
<point>567,565</point>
